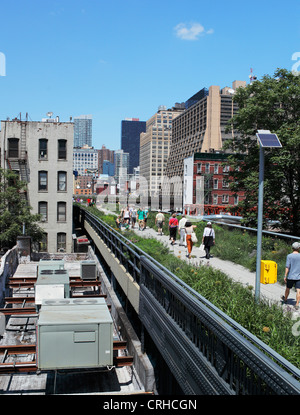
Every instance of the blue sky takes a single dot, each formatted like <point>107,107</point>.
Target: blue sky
<point>123,58</point>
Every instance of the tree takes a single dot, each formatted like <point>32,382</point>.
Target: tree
<point>270,104</point>
<point>15,211</point>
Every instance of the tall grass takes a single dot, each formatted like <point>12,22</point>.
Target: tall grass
<point>239,246</point>
<point>267,322</point>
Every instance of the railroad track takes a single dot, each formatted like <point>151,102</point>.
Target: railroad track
<point>30,365</point>
<point>75,282</point>
<point>28,311</point>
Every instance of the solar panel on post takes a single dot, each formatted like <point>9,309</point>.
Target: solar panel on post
<point>267,139</point>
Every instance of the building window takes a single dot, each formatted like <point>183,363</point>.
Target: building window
<point>215,199</point>
<point>62,181</point>
<point>43,210</point>
<point>225,183</point>
<point>43,180</point>
<point>215,183</point>
<point>199,168</point>
<point>225,198</point>
<point>206,168</point>
<point>13,147</point>
<point>236,199</point>
<point>62,149</point>
<point>43,147</point>
<point>61,241</point>
<point>43,244</point>
<point>61,211</point>
<point>216,169</point>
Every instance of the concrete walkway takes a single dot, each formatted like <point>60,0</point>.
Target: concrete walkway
<point>269,292</point>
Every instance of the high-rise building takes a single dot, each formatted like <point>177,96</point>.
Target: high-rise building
<point>131,128</point>
<point>155,146</point>
<point>201,127</point>
<point>104,154</point>
<point>41,153</point>
<point>85,161</point>
<point>121,165</point>
<point>83,131</point>
<point>108,168</point>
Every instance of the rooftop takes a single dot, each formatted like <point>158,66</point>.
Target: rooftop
<point>20,373</point>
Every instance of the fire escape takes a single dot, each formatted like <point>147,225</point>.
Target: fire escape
<point>16,158</point>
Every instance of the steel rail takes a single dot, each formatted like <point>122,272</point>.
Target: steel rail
<point>246,228</point>
<point>19,300</point>
<point>18,367</point>
<point>110,237</point>
<point>161,292</point>
<point>199,297</point>
<point>18,310</point>
<point>18,349</point>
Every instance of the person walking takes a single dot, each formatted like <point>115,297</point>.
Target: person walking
<point>181,230</point>
<point>141,217</point>
<point>208,239</point>
<point>189,229</point>
<point>126,215</point>
<point>159,221</point>
<point>173,225</point>
<point>146,213</point>
<point>292,273</point>
<point>133,217</point>
<point>119,221</point>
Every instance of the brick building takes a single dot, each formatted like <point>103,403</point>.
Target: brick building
<point>206,184</point>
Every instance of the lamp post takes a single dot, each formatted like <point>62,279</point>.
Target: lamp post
<point>266,140</point>
<point>259,220</point>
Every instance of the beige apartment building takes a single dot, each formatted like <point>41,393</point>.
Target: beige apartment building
<point>155,147</point>
<point>201,127</point>
<point>42,154</point>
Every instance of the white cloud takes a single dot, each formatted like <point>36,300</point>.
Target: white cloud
<point>191,31</point>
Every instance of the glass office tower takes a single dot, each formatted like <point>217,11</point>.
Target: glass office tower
<point>131,129</point>
<point>83,131</point>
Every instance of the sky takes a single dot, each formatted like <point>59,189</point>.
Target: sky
<point>122,59</point>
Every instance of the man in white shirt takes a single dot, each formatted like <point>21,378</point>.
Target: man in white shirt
<point>159,221</point>
<point>208,238</point>
<point>181,230</point>
<point>133,217</point>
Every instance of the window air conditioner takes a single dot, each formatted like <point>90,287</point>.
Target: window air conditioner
<point>88,270</point>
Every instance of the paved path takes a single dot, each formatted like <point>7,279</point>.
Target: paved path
<point>270,292</point>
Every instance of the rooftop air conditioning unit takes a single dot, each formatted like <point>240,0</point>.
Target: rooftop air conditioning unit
<point>74,333</point>
<point>46,272</point>
<point>88,270</point>
<point>50,264</point>
<point>52,284</point>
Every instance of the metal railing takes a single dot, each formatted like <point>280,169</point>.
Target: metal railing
<point>254,230</point>
<point>207,351</point>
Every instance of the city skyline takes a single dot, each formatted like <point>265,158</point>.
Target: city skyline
<point>123,60</point>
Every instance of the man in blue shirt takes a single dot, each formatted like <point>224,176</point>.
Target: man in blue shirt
<point>292,273</point>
